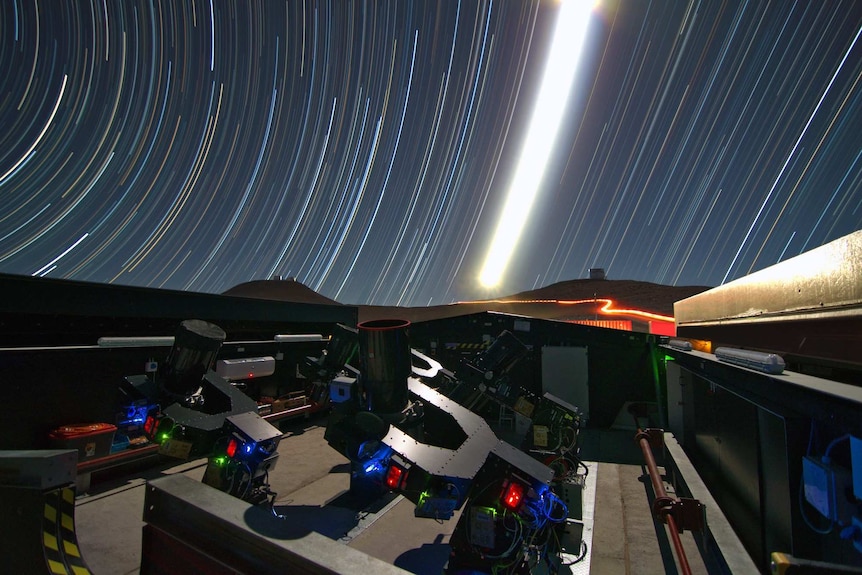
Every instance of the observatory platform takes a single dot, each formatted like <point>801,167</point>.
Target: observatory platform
<point>313,498</point>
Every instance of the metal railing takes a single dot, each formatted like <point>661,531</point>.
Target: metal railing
<point>677,513</point>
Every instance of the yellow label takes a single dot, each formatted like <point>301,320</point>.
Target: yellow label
<point>176,448</point>
<point>540,435</point>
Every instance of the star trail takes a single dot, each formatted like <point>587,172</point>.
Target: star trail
<point>366,148</point>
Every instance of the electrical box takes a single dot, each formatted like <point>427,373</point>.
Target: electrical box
<point>245,368</point>
<point>824,488</point>
<point>572,493</point>
<point>856,463</point>
<point>571,538</point>
<point>483,527</point>
<point>339,388</point>
<point>41,469</point>
<point>856,522</point>
<point>436,507</point>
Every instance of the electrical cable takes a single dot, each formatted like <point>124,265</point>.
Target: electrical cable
<point>554,498</point>
<point>574,441</point>
<point>558,463</point>
<point>580,557</point>
<point>825,459</point>
<point>516,538</point>
<point>833,443</point>
<point>584,465</point>
<point>810,438</point>
<point>248,471</point>
<point>821,531</point>
<point>537,516</point>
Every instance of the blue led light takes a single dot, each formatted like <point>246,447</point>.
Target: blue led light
<point>376,461</point>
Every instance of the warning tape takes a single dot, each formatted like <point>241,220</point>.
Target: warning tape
<point>59,541</point>
<point>467,346</point>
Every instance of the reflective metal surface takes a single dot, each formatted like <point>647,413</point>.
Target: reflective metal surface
<point>825,282</point>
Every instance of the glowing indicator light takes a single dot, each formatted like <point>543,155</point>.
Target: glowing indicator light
<point>232,446</point>
<point>150,425</point>
<point>394,476</point>
<point>569,37</point>
<point>513,496</point>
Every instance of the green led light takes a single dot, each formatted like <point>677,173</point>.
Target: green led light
<point>220,461</point>
<point>164,437</point>
<point>668,358</point>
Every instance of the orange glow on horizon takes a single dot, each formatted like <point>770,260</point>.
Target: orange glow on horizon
<point>606,309</point>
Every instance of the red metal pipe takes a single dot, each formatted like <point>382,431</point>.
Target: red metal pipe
<point>661,500</point>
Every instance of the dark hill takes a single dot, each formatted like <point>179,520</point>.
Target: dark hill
<point>279,290</point>
<point>647,296</point>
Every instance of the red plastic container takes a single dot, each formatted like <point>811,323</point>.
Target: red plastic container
<point>92,440</point>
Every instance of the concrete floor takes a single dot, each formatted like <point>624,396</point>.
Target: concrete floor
<point>311,480</point>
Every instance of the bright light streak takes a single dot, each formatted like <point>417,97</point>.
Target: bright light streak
<point>566,47</point>
<point>50,121</point>
<point>608,306</point>
<point>58,258</point>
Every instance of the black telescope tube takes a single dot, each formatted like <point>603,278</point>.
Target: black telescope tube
<point>384,350</point>
<point>341,348</point>
<point>196,345</point>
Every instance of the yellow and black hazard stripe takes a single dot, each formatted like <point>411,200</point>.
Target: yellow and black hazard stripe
<point>467,346</point>
<point>59,541</point>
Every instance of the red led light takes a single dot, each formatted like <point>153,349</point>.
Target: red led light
<point>232,446</point>
<point>513,496</point>
<point>250,375</point>
<point>150,425</point>
<point>393,476</point>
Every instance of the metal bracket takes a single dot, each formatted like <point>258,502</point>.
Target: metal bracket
<point>654,436</point>
<point>688,514</point>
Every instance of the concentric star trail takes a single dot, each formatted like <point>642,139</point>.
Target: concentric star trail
<point>366,148</point>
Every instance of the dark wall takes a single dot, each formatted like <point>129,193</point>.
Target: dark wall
<point>827,348</point>
<point>622,365</point>
<point>43,390</point>
<point>725,452</point>
<point>50,312</point>
<point>747,434</point>
<point>52,373</point>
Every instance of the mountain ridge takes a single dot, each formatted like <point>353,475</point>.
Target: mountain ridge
<point>543,302</point>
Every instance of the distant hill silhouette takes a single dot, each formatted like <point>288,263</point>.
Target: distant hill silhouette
<point>646,296</point>
<point>280,290</point>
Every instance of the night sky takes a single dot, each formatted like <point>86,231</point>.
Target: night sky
<point>365,148</point>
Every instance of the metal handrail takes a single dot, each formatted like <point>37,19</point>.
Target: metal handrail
<point>664,505</point>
